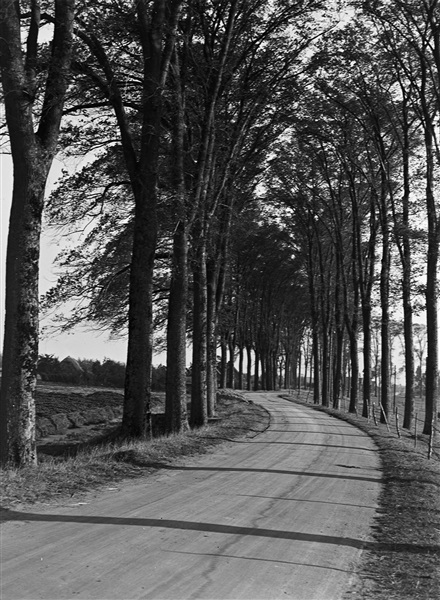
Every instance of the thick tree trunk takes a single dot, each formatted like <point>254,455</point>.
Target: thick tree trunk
<point>20,355</point>
<point>32,155</point>
<point>136,420</point>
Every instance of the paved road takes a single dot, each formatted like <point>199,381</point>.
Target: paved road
<point>283,515</point>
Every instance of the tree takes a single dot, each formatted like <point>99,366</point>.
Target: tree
<point>155,26</point>
<point>33,125</point>
<point>416,25</point>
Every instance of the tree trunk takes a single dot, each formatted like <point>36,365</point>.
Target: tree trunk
<point>176,417</point>
<point>211,382</point>
<point>231,372</point>
<point>152,21</point>
<point>199,408</point>
<point>240,366</point>
<point>20,354</point>
<point>223,362</point>
<point>32,156</point>
<point>432,369</point>
<point>403,241</point>
<point>325,368</point>
<point>316,367</point>
<point>256,370</point>
<point>175,400</point>
<point>249,368</point>
<point>136,420</point>
<point>385,307</point>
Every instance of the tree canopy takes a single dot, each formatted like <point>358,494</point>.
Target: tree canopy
<point>255,176</point>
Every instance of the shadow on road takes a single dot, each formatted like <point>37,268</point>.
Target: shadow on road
<point>11,515</point>
<point>159,465</point>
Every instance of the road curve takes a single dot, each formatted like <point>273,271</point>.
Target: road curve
<point>282,515</point>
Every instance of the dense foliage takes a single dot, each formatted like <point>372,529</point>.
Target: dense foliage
<point>258,180</point>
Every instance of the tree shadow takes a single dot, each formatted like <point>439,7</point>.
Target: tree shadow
<point>161,465</point>
<point>295,536</point>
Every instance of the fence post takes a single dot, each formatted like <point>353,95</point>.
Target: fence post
<point>374,415</point>
<point>431,439</point>
<point>384,416</point>
<point>415,431</point>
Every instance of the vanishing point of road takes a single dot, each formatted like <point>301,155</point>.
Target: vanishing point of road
<point>284,514</point>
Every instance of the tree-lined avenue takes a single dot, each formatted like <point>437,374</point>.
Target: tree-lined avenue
<point>283,514</point>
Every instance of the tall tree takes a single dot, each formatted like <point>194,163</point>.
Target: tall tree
<point>417,25</point>
<point>154,25</point>
<point>33,125</point>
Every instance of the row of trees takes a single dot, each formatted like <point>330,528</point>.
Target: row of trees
<point>175,104</point>
<point>244,165</point>
<point>358,179</point>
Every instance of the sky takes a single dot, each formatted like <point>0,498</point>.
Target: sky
<point>80,343</point>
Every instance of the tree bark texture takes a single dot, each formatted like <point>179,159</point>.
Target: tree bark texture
<point>199,408</point>
<point>175,399</point>
<point>432,367</point>
<point>156,26</point>
<point>32,155</point>
<point>176,396</point>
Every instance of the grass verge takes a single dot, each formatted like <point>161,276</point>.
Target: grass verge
<point>63,477</point>
<point>403,562</point>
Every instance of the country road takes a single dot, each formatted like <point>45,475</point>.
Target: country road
<point>284,514</point>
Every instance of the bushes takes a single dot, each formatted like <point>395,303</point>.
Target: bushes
<point>109,373</point>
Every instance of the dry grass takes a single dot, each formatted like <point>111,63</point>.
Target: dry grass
<point>403,562</point>
<point>97,465</point>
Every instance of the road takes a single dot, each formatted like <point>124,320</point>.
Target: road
<point>285,514</point>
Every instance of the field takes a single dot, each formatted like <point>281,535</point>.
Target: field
<point>72,417</point>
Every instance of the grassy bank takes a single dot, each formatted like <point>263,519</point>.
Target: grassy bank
<point>107,461</point>
<point>403,561</point>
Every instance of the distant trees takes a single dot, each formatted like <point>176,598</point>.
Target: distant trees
<point>81,372</point>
